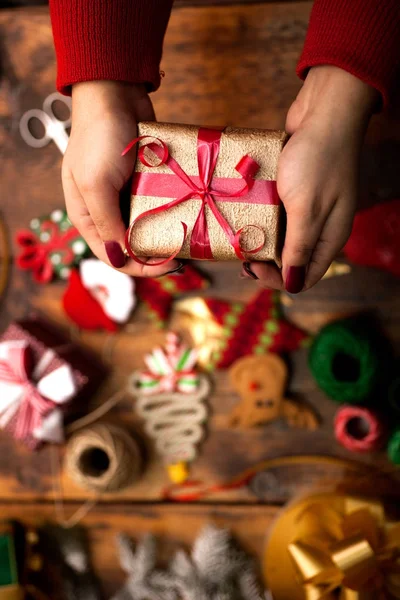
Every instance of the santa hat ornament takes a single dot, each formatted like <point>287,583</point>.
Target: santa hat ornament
<point>99,297</point>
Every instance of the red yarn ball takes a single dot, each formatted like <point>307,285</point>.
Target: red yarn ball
<point>359,429</point>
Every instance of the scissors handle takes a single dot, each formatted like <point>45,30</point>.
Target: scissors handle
<point>31,140</point>
<point>48,107</point>
<point>54,128</point>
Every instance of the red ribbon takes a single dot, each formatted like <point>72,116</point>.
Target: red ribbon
<point>35,254</point>
<point>208,147</point>
<point>32,406</point>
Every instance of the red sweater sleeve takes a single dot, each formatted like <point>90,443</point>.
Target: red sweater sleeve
<point>120,40</point>
<point>359,36</point>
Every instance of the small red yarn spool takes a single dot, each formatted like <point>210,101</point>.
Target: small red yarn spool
<point>359,429</point>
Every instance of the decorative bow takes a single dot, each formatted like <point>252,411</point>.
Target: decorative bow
<point>208,147</point>
<point>170,369</point>
<point>30,399</point>
<point>36,254</point>
<point>358,552</point>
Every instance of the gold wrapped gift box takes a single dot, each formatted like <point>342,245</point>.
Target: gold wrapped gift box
<point>160,235</point>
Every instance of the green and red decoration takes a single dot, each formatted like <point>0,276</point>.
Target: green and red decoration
<point>159,294</point>
<point>254,328</point>
<point>51,247</point>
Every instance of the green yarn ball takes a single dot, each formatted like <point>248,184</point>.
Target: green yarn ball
<point>394,447</point>
<point>344,362</point>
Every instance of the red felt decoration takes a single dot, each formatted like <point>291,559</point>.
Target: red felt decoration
<point>375,239</point>
<point>83,309</point>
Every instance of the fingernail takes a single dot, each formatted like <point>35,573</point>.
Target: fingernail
<point>178,271</point>
<point>115,254</point>
<point>295,279</point>
<point>248,271</point>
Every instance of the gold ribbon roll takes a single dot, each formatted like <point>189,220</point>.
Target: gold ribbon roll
<point>330,546</point>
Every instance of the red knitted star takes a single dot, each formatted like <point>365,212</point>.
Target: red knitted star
<point>254,328</point>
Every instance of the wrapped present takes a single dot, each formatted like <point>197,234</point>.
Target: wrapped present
<point>40,374</point>
<point>205,193</point>
<point>50,247</point>
<point>331,546</point>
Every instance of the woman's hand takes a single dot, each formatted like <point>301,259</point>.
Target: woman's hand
<point>317,176</point>
<point>104,120</point>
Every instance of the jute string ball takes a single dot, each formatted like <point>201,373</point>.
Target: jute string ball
<point>103,458</point>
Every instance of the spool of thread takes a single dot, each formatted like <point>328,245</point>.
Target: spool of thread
<point>359,429</point>
<point>103,458</point>
<point>344,362</point>
<point>394,447</point>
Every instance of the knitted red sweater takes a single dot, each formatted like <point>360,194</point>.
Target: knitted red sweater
<point>122,40</point>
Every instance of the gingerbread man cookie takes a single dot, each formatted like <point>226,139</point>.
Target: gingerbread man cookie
<point>261,383</point>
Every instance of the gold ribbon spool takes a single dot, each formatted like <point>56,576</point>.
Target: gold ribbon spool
<point>329,546</point>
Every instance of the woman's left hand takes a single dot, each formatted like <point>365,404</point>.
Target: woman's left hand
<point>318,176</point>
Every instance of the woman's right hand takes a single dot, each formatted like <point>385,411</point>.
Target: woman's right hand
<point>104,120</point>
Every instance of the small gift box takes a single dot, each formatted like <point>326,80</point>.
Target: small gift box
<point>205,193</point>
<point>40,374</point>
<point>50,247</point>
<point>334,546</point>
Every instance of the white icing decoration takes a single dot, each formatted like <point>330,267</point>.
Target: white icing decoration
<point>65,273</point>
<point>55,259</point>
<point>35,223</point>
<point>45,236</point>
<point>57,216</point>
<point>79,247</point>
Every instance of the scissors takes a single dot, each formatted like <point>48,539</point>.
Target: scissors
<point>54,128</point>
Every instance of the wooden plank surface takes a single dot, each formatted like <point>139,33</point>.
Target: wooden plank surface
<point>223,65</point>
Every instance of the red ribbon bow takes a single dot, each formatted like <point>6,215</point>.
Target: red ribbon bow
<point>208,147</point>
<point>35,254</point>
<point>32,407</point>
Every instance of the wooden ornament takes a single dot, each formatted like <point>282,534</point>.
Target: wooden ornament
<point>261,383</point>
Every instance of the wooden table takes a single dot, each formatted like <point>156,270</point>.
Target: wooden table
<point>223,65</point>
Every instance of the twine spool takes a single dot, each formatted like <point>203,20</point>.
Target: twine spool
<point>344,362</point>
<point>394,447</point>
<point>359,429</point>
<point>103,458</point>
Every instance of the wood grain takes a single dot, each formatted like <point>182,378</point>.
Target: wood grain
<point>224,65</point>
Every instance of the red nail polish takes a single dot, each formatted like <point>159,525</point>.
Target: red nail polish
<point>115,254</point>
<point>295,279</point>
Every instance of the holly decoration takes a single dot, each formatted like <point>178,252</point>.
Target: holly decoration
<point>51,247</point>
